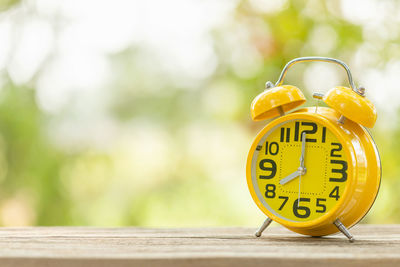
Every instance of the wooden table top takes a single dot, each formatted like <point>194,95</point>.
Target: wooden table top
<point>375,245</point>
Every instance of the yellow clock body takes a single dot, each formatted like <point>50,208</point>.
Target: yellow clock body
<point>316,170</point>
<point>342,175</point>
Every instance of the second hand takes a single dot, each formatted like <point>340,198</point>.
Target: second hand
<point>298,199</point>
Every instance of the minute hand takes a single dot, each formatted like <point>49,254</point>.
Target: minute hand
<point>301,170</point>
<point>303,149</point>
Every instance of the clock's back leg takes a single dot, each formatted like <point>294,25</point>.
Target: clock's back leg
<point>263,227</point>
<point>343,229</point>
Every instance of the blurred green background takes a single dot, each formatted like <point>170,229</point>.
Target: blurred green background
<point>117,113</point>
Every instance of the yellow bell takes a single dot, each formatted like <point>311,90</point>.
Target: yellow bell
<point>273,102</point>
<point>351,105</point>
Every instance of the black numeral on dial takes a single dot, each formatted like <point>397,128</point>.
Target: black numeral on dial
<point>301,211</point>
<point>323,139</point>
<point>342,171</point>
<point>337,149</point>
<point>268,165</point>
<point>335,193</point>
<point>285,199</point>
<point>270,190</point>
<point>310,128</point>
<point>272,148</point>
<point>320,204</point>
<point>313,130</point>
<point>283,139</point>
<point>296,131</point>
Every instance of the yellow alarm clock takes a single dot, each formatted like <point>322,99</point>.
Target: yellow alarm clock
<point>315,170</point>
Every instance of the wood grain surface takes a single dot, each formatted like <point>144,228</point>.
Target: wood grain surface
<point>376,245</point>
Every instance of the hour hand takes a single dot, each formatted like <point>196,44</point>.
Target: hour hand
<point>290,177</point>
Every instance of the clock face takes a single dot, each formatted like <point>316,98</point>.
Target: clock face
<point>305,193</point>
